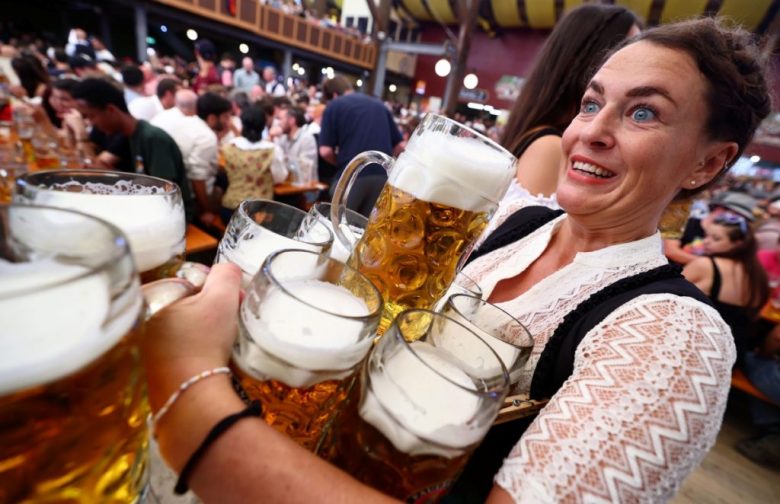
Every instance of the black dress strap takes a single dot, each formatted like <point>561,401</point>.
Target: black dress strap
<point>716,281</point>
<point>517,226</point>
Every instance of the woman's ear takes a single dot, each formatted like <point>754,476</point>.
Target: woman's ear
<point>717,156</point>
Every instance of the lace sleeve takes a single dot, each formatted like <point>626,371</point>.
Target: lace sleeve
<point>643,406</point>
<point>516,198</point>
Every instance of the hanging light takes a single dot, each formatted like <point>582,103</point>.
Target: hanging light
<point>192,34</point>
<point>442,68</point>
<point>392,88</point>
<point>470,81</point>
<point>359,83</point>
<point>243,48</point>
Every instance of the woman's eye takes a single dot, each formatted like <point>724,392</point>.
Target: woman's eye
<point>643,114</point>
<point>590,107</point>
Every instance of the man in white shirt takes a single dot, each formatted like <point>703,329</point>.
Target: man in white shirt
<point>147,107</point>
<point>298,146</point>
<point>198,145</point>
<point>245,78</point>
<point>272,85</point>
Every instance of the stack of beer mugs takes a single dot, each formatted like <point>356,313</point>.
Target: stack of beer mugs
<point>148,210</point>
<point>261,227</point>
<point>440,194</point>
<point>72,399</point>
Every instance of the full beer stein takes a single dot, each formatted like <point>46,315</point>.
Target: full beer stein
<point>148,210</point>
<point>72,391</point>
<point>305,325</point>
<point>440,194</point>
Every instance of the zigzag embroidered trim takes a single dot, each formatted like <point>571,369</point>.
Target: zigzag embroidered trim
<point>641,409</point>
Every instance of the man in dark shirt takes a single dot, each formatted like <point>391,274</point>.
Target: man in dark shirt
<point>152,150</point>
<point>355,123</point>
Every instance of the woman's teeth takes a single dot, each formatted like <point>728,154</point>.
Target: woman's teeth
<point>592,169</point>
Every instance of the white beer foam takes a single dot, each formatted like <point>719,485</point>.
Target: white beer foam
<point>154,228</point>
<point>298,344</point>
<point>419,410</point>
<point>49,331</point>
<point>251,252</point>
<point>459,172</point>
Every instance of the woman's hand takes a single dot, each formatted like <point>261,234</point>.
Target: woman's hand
<point>192,335</point>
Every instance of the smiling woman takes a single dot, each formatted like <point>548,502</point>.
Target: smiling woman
<point>635,360</point>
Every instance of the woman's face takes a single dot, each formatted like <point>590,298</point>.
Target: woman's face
<point>61,101</point>
<point>717,240</point>
<point>637,139</point>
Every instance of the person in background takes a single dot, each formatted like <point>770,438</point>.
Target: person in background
<point>252,165</point>
<point>227,65</point>
<point>34,81</point>
<point>205,53</point>
<point>550,96</point>
<point>152,150</point>
<point>273,86</point>
<point>148,107</point>
<point>298,146</point>
<point>101,51</point>
<point>133,79</point>
<point>731,276</point>
<point>768,232</point>
<point>198,145</point>
<point>59,66</point>
<point>355,123</point>
<point>245,78</point>
<point>216,112</point>
<point>690,245</point>
<point>84,67</point>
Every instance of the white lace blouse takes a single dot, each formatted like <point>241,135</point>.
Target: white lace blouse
<point>646,398</point>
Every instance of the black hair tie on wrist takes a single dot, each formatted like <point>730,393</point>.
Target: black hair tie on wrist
<point>254,409</point>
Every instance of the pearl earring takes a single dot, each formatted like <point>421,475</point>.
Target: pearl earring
<point>693,182</point>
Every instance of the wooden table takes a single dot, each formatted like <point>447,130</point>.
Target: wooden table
<point>198,240</point>
<point>285,189</point>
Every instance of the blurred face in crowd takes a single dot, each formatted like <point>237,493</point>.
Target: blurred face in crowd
<point>247,64</point>
<point>106,120</point>
<point>269,74</point>
<point>287,121</point>
<point>61,101</point>
<point>219,123</point>
<point>717,240</point>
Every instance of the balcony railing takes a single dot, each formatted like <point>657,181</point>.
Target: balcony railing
<point>287,29</point>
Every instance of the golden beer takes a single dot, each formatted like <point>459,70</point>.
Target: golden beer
<point>439,195</point>
<point>300,412</point>
<point>305,325</point>
<point>369,456</point>
<point>82,438</point>
<point>411,249</point>
<point>420,407</point>
<point>167,270</point>
<point>73,402</point>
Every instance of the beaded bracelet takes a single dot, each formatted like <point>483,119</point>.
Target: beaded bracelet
<point>184,386</point>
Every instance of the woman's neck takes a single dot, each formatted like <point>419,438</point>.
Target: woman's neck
<point>578,237</point>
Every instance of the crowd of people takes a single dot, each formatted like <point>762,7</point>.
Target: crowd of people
<point>572,253</point>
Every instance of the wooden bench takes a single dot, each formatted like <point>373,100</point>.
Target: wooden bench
<point>198,240</point>
<point>740,382</point>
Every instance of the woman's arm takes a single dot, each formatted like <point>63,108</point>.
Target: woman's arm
<point>250,462</point>
<point>539,166</point>
<point>641,409</point>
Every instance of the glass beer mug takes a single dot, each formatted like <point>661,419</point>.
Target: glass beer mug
<point>440,194</point>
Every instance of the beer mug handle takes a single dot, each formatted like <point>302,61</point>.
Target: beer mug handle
<point>345,183</point>
<point>160,293</point>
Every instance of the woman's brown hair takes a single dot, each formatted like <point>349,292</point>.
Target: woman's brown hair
<point>554,87</point>
<point>732,64</point>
